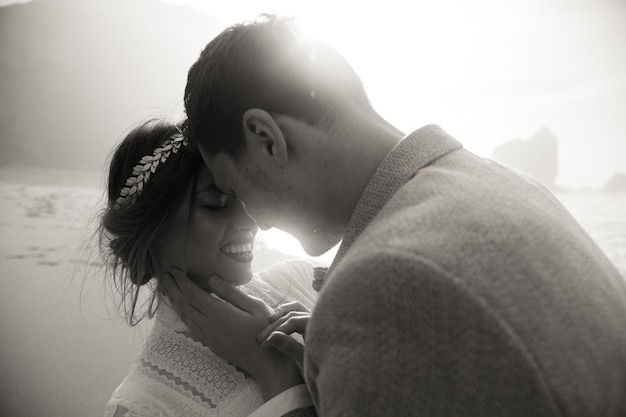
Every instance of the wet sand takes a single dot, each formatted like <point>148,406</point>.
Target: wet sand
<point>62,352</point>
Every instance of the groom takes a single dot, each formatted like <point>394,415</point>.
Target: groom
<point>460,287</point>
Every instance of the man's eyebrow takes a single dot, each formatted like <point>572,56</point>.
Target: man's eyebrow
<point>210,188</point>
<point>229,193</point>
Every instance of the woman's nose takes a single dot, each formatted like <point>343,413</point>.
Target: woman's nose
<point>242,219</point>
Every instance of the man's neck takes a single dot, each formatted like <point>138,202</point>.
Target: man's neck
<point>362,149</point>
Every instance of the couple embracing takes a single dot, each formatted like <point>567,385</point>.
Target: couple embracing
<point>460,287</point>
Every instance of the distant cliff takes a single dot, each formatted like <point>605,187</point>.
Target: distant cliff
<point>537,156</point>
<point>616,183</point>
<point>76,74</point>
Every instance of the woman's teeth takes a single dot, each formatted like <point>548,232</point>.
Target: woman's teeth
<point>238,249</point>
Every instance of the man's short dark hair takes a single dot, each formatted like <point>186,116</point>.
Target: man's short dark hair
<point>271,65</point>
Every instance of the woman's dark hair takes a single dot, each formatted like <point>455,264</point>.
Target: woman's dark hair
<point>128,235</point>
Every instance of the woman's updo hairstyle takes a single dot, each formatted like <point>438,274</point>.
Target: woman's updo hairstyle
<point>129,233</point>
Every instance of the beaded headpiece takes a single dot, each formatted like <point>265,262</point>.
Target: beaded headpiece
<point>147,166</point>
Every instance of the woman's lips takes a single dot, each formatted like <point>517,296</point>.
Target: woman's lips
<point>240,251</point>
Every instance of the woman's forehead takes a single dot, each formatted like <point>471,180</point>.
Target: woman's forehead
<point>205,178</point>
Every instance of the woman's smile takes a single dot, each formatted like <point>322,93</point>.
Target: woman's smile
<point>239,250</point>
<point>211,233</point>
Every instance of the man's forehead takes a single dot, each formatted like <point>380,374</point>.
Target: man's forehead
<point>224,172</point>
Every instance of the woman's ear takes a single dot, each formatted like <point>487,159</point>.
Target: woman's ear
<point>265,141</point>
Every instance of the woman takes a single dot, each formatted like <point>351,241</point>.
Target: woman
<point>164,212</point>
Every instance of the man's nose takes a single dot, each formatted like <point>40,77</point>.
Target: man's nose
<point>243,220</point>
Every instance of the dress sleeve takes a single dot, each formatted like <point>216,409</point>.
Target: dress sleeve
<point>284,282</point>
<point>122,408</point>
<point>294,402</point>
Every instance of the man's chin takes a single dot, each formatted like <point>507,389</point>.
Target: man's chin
<point>320,245</point>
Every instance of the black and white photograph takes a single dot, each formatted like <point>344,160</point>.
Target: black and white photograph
<point>293,208</point>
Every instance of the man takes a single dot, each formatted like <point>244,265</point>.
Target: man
<point>460,287</point>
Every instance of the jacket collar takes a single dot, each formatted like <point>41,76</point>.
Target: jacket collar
<point>415,151</point>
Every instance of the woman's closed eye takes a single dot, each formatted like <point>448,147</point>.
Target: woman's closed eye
<point>210,198</point>
<point>213,200</point>
<point>215,203</point>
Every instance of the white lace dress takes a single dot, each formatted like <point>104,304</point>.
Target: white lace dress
<point>176,376</point>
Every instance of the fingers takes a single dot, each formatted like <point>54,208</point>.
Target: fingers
<point>286,308</point>
<point>289,346</point>
<point>317,285</point>
<point>236,297</point>
<point>293,322</point>
<point>319,275</point>
<point>183,293</point>
<point>171,287</point>
<point>177,295</point>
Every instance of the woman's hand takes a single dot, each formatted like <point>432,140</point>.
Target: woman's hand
<point>289,318</point>
<point>228,327</point>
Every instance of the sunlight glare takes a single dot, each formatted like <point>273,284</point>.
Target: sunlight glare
<point>279,240</point>
<point>486,71</point>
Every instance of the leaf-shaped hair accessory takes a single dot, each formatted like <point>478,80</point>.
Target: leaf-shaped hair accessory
<point>147,166</point>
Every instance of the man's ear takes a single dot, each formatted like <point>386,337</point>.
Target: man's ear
<point>264,137</point>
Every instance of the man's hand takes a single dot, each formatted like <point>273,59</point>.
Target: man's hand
<point>228,326</point>
<point>289,318</point>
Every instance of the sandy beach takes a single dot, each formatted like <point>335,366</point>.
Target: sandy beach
<point>64,350</point>
<point>64,345</point>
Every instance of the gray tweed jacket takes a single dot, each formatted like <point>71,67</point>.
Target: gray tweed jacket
<point>465,289</point>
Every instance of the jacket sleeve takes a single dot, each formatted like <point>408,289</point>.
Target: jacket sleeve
<point>302,412</point>
<point>392,334</point>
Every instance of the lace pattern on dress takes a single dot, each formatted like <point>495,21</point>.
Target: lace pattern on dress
<point>174,375</point>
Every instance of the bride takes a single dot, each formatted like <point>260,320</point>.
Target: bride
<point>164,213</point>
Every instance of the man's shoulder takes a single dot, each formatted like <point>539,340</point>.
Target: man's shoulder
<point>377,267</point>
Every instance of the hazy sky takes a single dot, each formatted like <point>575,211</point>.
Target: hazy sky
<point>487,71</point>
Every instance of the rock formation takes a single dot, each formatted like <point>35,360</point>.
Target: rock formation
<point>537,156</point>
<point>616,183</point>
